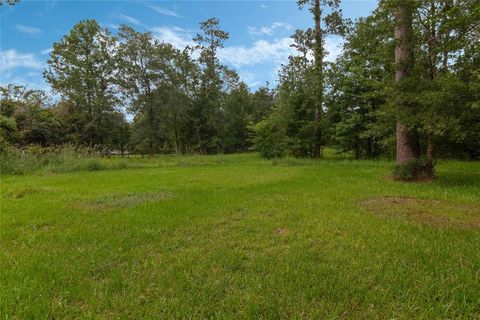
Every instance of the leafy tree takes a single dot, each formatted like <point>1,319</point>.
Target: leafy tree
<point>334,24</point>
<point>263,100</point>
<point>446,32</point>
<point>204,113</point>
<point>238,110</point>
<point>81,68</point>
<point>269,137</point>
<point>144,65</point>
<point>358,86</point>
<point>26,119</point>
<point>9,2</point>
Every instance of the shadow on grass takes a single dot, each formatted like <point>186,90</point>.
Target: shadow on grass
<point>458,179</point>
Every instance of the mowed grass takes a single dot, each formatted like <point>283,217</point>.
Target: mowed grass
<point>238,237</point>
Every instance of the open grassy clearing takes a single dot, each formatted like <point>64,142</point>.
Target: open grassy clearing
<point>240,237</point>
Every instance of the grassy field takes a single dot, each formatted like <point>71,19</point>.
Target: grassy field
<point>234,237</point>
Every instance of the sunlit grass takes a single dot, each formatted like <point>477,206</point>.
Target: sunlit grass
<point>236,237</point>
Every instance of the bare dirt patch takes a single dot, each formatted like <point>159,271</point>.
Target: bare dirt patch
<point>121,201</point>
<point>282,231</point>
<point>22,192</point>
<point>438,213</point>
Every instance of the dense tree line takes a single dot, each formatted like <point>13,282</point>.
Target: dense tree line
<point>178,103</point>
<point>439,97</point>
<point>409,74</point>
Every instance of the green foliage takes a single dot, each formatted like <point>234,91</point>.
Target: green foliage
<point>269,139</point>
<point>66,158</point>
<point>8,130</point>
<point>26,119</point>
<point>187,101</point>
<point>414,170</point>
<point>81,69</point>
<point>438,98</point>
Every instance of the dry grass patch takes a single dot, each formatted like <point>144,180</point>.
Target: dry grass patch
<point>282,231</point>
<point>22,192</point>
<point>441,214</point>
<point>121,201</point>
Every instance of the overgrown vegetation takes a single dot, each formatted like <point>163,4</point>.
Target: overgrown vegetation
<point>415,169</point>
<point>14,161</point>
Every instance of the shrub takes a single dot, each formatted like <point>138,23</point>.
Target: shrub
<point>268,139</point>
<point>414,170</point>
<point>34,158</point>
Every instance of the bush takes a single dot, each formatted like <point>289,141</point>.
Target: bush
<point>268,140</point>
<point>35,158</point>
<point>414,170</point>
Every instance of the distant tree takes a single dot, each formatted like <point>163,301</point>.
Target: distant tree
<point>359,83</point>
<point>438,98</point>
<point>81,68</point>
<point>208,102</point>
<point>446,33</point>
<point>237,112</point>
<point>334,24</point>
<point>26,119</point>
<point>144,64</point>
<point>9,2</point>
<point>263,100</point>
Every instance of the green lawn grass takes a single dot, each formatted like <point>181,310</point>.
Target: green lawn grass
<point>234,237</point>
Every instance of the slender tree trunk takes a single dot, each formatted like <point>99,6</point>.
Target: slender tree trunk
<point>177,151</point>
<point>150,148</point>
<point>318,52</point>
<point>406,140</point>
<point>150,120</point>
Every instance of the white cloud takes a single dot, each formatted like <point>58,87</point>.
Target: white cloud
<point>128,19</point>
<point>32,80</point>
<point>46,51</point>
<point>28,30</point>
<point>255,31</point>
<point>177,37</point>
<point>261,51</point>
<point>11,59</point>
<point>250,78</point>
<point>111,26</point>
<point>263,6</point>
<point>164,11</point>
<point>34,84</point>
<point>333,45</point>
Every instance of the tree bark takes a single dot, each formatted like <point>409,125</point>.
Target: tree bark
<point>432,56</point>
<point>318,53</point>
<point>406,140</point>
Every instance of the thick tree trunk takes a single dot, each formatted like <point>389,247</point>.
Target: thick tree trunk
<point>406,141</point>
<point>318,52</point>
<point>432,56</point>
<point>430,148</point>
<point>150,149</point>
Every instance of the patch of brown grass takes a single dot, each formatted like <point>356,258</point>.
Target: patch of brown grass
<point>121,201</point>
<point>22,192</point>
<point>437,213</point>
<point>282,231</point>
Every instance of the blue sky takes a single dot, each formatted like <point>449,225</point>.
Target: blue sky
<point>259,31</point>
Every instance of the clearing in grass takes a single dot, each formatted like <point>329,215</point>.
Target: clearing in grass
<point>240,237</point>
